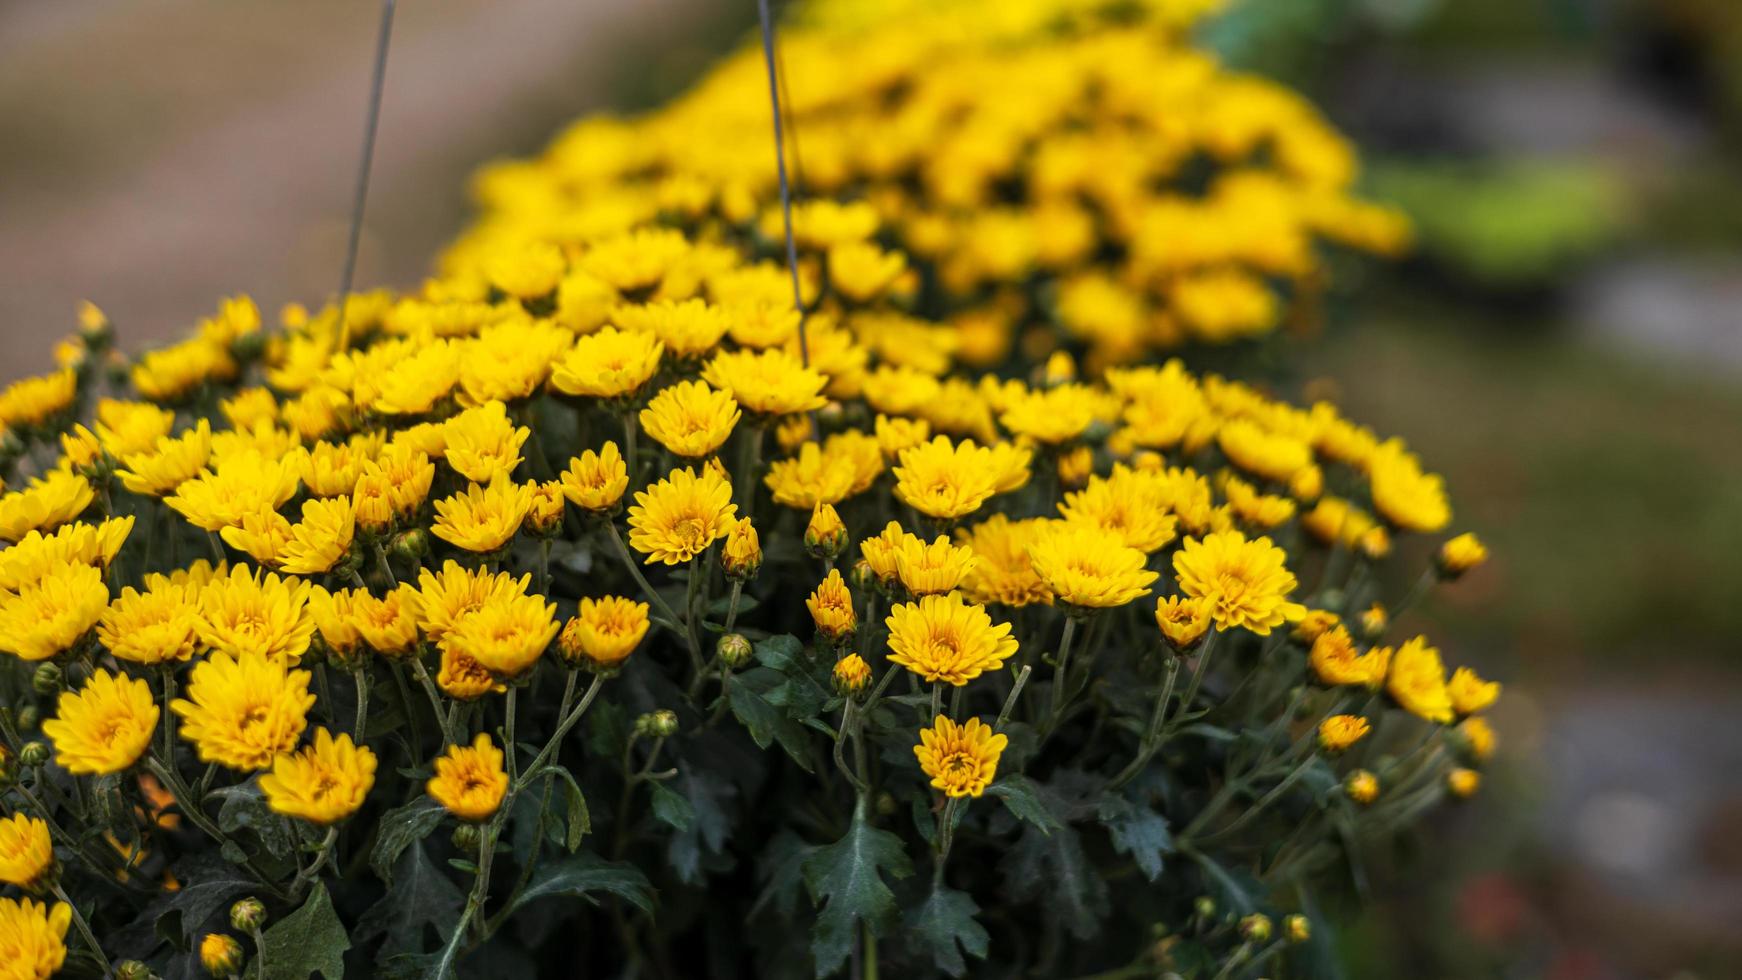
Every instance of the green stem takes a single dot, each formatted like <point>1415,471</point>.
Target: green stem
<point>84,930</point>
<point>435,700</point>
<point>508,733</point>
<point>568,722</point>
<point>361,676</point>
<point>673,621</point>
<point>168,671</point>
<point>1010,701</point>
<point>1060,671</point>
<point>1259,807</point>
<point>1197,681</point>
<point>749,461</point>
<point>1152,738</point>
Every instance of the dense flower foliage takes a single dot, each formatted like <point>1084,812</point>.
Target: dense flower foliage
<point>649,577</point>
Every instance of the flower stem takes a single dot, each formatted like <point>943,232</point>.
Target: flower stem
<point>561,730</point>
<point>1197,681</point>
<point>1060,671</point>
<point>674,623</point>
<point>1015,692</point>
<point>84,929</point>
<point>435,700</point>
<point>361,676</point>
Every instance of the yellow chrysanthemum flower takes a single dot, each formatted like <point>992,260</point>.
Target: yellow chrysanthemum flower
<point>595,481</point>
<point>168,462</point>
<point>895,434</point>
<point>243,712</point>
<point>48,616</point>
<point>931,569</point>
<point>1053,415</point>
<point>221,955</point>
<point>944,638</point>
<point>26,852</point>
<point>1125,504</point>
<point>469,780</point>
<point>1470,693</point>
<point>860,270</point>
<point>900,390</point>
<point>1088,567</point>
<point>483,519</point>
<point>1460,554</point>
<point>246,483</point>
<point>125,428</point>
<point>105,726</point>
<point>505,635</point>
<point>408,472</point>
<point>879,551</point>
<point>851,675</point>
<point>767,382</point>
<point>1417,682</point>
<point>946,481</point>
<point>482,443</point>
<point>1338,732</point>
<point>1274,456</point>
<point>33,937</point>
<point>1336,662</point>
<point>262,537</point>
<point>810,479</point>
<point>48,502</point>
<point>36,554</point>
<point>609,364</point>
<point>1407,496</point>
<point>324,782</point>
<point>1463,783</point>
<point>389,623</point>
<point>332,614</point>
<point>604,632</point>
<point>255,612</point>
<point>447,597</point>
<point>1247,581</point>
<point>960,759</point>
<point>321,539</point>
<point>690,418</point>
<point>831,608</point>
<point>688,329</point>
<point>464,679</point>
<point>530,271</point>
<point>741,555</point>
<point>677,518</point>
<point>1478,738</point>
<point>1184,620</point>
<point>1002,571</point>
<point>249,407</point>
<point>31,401</point>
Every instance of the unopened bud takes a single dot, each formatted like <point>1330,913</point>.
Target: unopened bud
<point>825,536</point>
<point>1297,928</point>
<point>1205,907</point>
<point>656,724</point>
<point>852,676</point>
<point>133,970</point>
<point>1255,928</point>
<point>1463,783</point>
<point>28,718</point>
<point>248,915</point>
<point>411,545</point>
<point>1362,787</point>
<point>863,578</point>
<point>465,838</point>
<point>34,755</point>
<point>741,556</point>
<point>734,650</point>
<point>48,678</point>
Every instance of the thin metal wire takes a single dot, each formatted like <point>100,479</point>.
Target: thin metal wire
<point>780,166</point>
<point>376,85</point>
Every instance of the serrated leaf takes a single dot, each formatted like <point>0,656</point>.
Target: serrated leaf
<point>1137,831</point>
<point>208,884</point>
<point>941,923</point>
<point>671,809</point>
<point>783,653</point>
<point>1054,870</point>
<point>420,898</point>
<point>308,941</point>
<point>845,880</point>
<point>766,723</point>
<point>400,828</point>
<point>1019,794</point>
<point>781,869</point>
<point>579,822</point>
<point>707,794</point>
<point>586,875</point>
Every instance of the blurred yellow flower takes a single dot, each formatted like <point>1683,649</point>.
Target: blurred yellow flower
<point>26,852</point>
<point>48,502</point>
<point>34,937</point>
<point>1417,681</point>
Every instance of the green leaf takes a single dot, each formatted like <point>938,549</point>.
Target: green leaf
<point>584,875</point>
<point>766,723</point>
<point>207,885</point>
<point>1138,831</point>
<point>1237,892</point>
<point>244,808</point>
<point>672,809</point>
<point>308,941</point>
<point>784,652</point>
<point>1018,794</point>
<point>1052,869</point>
<point>400,828</point>
<point>846,880</point>
<point>707,794</point>
<point>941,923</point>
<point>580,819</point>
<point>781,869</point>
<point>420,898</point>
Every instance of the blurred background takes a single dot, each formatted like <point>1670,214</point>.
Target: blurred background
<point>1566,346</point>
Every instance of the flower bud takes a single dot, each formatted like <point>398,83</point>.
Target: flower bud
<point>47,679</point>
<point>741,556</point>
<point>1255,928</point>
<point>1362,787</point>
<point>1075,466</point>
<point>248,915</point>
<point>852,676</point>
<point>1338,732</point>
<point>411,545</point>
<point>1463,783</point>
<point>545,517</point>
<point>8,768</point>
<point>1204,906</point>
<point>34,755</point>
<point>734,650</point>
<point>133,970</point>
<point>1373,621</point>
<point>1307,483</point>
<point>826,536</point>
<point>466,837</point>
<point>886,805</point>
<point>1297,928</point>
<point>863,577</point>
<point>1060,369</point>
<point>656,724</point>
<point>221,955</point>
<point>28,718</point>
<point>1184,621</point>
<point>1460,554</point>
<point>94,325</point>
<point>1313,625</point>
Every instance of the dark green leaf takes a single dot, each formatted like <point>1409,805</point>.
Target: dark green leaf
<point>707,794</point>
<point>244,808</point>
<point>400,828</point>
<point>1138,831</point>
<point>1018,794</point>
<point>1053,869</point>
<point>421,897</point>
<point>784,653</point>
<point>723,605</point>
<point>308,941</point>
<point>580,819</point>
<point>584,875</point>
<point>207,885</point>
<point>782,872</point>
<point>672,809</point>
<point>846,880</point>
<point>765,722</point>
<point>1236,891</point>
<point>941,923</point>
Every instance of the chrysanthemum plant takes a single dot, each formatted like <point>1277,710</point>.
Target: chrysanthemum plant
<point>598,609</point>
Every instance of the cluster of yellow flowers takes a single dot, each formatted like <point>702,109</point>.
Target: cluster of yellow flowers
<point>609,376</point>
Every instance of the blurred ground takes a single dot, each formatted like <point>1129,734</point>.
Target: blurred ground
<point>1566,347</point>
<point>155,157</point>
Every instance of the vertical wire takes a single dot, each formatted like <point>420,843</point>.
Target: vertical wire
<point>376,85</point>
<point>780,168</point>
